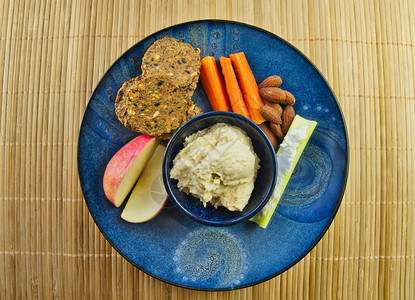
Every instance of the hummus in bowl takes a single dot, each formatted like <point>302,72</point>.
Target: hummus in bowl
<point>219,168</point>
<point>217,165</point>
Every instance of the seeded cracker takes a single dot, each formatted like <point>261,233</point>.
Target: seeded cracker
<point>154,105</point>
<point>178,60</point>
<point>192,111</point>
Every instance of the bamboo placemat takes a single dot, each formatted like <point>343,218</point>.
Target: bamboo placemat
<point>52,55</point>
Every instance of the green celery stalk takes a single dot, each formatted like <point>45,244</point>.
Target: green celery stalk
<point>264,216</point>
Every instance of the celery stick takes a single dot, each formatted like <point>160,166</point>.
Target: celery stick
<point>287,157</point>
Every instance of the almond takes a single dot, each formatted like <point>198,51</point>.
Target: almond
<point>270,114</point>
<point>277,95</point>
<point>272,81</point>
<point>276,129</point>
<point>273,94</point>
<point>287,118</point>
<point>270,135</point>
<point>290,100</point>
<point>274,105</point>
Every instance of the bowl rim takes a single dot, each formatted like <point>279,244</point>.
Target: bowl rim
<point>200,219</point>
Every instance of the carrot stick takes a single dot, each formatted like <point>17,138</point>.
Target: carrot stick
<point>248,86</point>
<point>232,87</point>
<point>213,84</point>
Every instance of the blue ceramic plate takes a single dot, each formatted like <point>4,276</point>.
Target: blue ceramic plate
<point>177,249</point>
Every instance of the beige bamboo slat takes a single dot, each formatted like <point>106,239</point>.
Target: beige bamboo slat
<point>53,54</point>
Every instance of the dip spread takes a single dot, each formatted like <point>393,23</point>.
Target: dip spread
<point>217,165</point>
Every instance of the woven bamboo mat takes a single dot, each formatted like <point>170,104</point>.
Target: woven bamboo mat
<point>53,53</point>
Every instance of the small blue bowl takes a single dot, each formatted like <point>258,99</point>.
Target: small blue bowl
<point>264,184</point>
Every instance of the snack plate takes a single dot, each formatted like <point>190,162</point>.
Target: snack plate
<point>180,251</point>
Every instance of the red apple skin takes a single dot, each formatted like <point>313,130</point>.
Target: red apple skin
<point>119,164</point>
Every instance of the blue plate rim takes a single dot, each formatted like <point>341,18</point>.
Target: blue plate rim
<point>344,183</point>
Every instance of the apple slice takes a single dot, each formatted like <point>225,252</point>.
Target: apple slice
<point>149,195</point>
<point>125,167</point>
